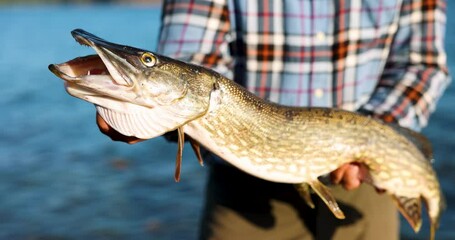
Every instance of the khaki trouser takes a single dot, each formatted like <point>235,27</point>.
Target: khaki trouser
<point>239,206</point>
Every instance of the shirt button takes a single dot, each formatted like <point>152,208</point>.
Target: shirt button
<point>318,92</point>
<point>320,36</point>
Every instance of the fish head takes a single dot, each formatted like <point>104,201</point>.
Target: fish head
<point>136,83</point>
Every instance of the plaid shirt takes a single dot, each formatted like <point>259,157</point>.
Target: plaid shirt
<point>382,57</point>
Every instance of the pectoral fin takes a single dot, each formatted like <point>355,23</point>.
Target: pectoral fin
<point>304,190</point>
<point>178,160</point>
<point>411,208</point>
<point>325,194</point>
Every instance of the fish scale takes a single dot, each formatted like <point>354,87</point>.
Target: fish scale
<point>143,94</point>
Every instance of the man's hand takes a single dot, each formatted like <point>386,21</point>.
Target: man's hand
<point>113,134</point>
<point>350,175</point>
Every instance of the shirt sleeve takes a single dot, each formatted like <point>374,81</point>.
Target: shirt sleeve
<point>415,74</point>
<point>197,31</point>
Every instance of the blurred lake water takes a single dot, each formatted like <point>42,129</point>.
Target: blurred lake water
<point>60,178</point>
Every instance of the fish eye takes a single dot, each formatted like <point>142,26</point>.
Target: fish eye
<point>148,59</point>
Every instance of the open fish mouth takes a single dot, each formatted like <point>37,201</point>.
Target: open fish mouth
<point>109,63</point>
<point>82,68</point>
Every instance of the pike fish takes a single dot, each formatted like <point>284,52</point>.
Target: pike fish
<point>143,94</point>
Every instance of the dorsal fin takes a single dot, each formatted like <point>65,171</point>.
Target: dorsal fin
<point>419,140</point>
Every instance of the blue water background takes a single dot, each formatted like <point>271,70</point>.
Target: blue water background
<point>60,178</point>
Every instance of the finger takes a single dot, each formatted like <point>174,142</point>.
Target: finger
<point>351,178</point>
<point>113,134</point>
<point>364,173</point>
<point>102,125</point>
<point>337,175</point>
